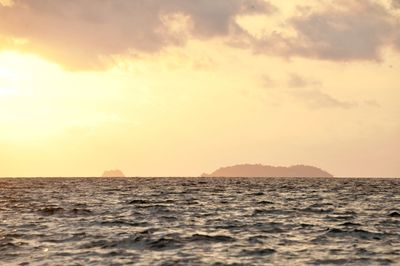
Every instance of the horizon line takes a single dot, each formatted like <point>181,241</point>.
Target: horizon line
<point>333,177</point>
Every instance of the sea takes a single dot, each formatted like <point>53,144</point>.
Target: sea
<point>199,221</point>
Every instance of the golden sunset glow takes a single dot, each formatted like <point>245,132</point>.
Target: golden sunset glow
<point>92,87</point>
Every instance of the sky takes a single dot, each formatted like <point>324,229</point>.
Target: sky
<point>182,87</point>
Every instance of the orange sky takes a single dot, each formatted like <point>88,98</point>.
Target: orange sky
<point>182,87</point>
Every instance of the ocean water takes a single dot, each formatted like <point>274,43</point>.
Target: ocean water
<point>199,221</point>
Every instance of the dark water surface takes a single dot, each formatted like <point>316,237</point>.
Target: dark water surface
<point>199,221</point>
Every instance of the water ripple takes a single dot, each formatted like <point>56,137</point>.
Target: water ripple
<point>199,221</point>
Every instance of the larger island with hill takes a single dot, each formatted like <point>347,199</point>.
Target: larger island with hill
<point>259,170</point>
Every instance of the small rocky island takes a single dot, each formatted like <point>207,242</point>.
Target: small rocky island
<point>113,173</point>
<point>259,170</point>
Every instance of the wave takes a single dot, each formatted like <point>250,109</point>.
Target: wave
<point>49,211</point>
<point>210,238</point>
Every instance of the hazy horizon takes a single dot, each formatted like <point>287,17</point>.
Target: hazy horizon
<point>181,88</point>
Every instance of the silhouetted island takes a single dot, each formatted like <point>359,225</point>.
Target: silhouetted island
<point>113,173</point>
<point>258,170</point>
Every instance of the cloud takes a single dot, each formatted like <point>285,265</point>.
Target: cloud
<point>372,103</point>
<point>77,33</point>
<point>86,34</point>
<point>297,81</point>
<point>355,32</point>
<point>6,2</point>
<point>396,3</point>
<point>318,99</point>
<point>305,90</point>
<point>344,30</point>
<point>309,91</point>
<point>268,82</point>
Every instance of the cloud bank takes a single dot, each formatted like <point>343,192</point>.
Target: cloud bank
<point>79,33</point>
<point>344,30</point>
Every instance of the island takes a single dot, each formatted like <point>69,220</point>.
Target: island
<point>113,173</point>
<point>259,170</point>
